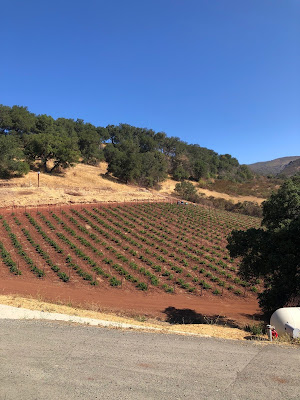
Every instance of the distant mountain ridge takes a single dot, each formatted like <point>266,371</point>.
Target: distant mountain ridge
<point>287,166</point>
<point>292,168</point>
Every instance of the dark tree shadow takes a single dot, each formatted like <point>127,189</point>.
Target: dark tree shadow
<point>188,316</point>
<point>258,317</point>
<point>57,172</point>
<point>110,178</point>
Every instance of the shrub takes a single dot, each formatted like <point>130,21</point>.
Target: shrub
<point>187,191</point>
<point>256,329</point>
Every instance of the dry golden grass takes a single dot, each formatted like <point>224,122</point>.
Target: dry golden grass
<point>194,329</point>
<point>81,184</point>
<point>85,184</point>
<point>168,186</point>
<point>235,199</point>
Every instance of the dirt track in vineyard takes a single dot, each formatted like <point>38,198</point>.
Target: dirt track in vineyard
<point>129,303</point>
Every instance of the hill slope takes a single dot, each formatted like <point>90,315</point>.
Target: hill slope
<point>292,168</point>
<point>86,184</point>
<point>273,167</point>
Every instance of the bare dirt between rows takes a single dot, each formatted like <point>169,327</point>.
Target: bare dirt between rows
<point>131,304</point>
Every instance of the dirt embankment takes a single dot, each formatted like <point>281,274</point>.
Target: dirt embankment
<point>144,306</point>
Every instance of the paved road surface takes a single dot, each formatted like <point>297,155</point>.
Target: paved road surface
<point>50,360</point>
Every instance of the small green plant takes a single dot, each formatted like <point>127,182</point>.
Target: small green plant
<point>256,329</point>
<point>140,318</point>
<point>167,288</point>
<point>142,286</point>
<point>114,281</point>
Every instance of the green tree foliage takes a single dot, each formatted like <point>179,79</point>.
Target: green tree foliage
<point>187,191</point>
<point>54,144</point>
<point>16,120</point>
<point>90,139</point>
<point>63,141</point>
<point>273,251</point>
<point>133,154</point>
<point>124,161</point>
<point>180,173</point>
<point>201,169</point>
<point>153,168</point>
<point>43,123</point>
<point>284,206</point>
<point>11,157</point>
<point>5,119</point>
<point>181,160</point>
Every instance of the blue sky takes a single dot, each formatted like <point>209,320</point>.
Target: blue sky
<point>221,73</point>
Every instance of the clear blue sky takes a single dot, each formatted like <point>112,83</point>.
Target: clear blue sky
<point>221,73</point>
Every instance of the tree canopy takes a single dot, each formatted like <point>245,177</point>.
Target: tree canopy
<point>42,138</point>
<point>11,157</point>
<point>128,146</point>
<point>187,191</point>
<point>273,251</point>
<point>133,154</point>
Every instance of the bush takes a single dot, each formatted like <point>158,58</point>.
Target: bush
<point>256,329</point>
<point>187,191</point>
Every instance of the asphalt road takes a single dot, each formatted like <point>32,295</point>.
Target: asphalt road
<point>50,360</point>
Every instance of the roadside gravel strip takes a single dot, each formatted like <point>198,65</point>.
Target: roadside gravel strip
<point>9,312</point>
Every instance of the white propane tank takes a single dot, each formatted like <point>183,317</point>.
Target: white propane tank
<point>286,319</point>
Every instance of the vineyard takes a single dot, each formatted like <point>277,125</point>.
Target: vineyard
<point>147,247</point>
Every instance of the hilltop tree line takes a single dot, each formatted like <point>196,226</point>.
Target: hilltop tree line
<point>133,154</point>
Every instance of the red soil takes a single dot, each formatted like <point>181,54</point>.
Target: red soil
<point>130,303</point>
<point>126,300</point>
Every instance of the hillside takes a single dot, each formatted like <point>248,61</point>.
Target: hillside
<point>292,168</point>
<point>87,184</point>
<point>273,167</point>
